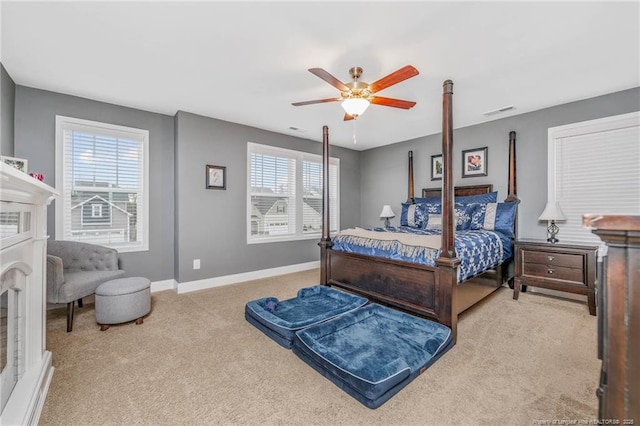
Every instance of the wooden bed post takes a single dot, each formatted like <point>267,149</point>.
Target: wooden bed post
<point>511,197</point>
<point>447,261</point>
<point>325,242</point>
<point>410,197</point>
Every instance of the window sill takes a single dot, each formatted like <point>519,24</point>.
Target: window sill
<point>287,239</point>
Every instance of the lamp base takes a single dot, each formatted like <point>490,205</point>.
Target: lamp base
<point>387,224</point>
<point>553,231</point>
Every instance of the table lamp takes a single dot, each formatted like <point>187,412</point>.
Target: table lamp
<point>386,214</point>
<point>552,213</point>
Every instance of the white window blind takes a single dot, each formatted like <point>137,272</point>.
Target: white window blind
<point>285,194</point>
<point>595,172</point>
<point>102,176</point>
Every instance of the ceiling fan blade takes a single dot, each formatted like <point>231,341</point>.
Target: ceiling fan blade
<point>348,117</point>
<point>317,101</point>
<point>393,78</point>
<point>390,102</point>
<point>329,79</point>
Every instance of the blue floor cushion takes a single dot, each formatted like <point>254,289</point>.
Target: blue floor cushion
<point>372,352</point>
<point>281,319</point>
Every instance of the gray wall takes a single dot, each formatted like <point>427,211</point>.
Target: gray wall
<point>7,109</point>
<point>190,222</point>
<point>211,224</point>
<point>35,115</point>
<point>384,170</point>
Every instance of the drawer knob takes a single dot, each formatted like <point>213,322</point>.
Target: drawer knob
<point>550,271</point>
<point>550,258</point>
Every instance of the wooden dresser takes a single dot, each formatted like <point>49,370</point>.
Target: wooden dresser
<point>619,322</point>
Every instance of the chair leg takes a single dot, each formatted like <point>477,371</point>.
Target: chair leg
<point>80,304</point>
<point>70,316</point>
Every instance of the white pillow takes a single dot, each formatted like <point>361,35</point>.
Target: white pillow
<point>434,221</point>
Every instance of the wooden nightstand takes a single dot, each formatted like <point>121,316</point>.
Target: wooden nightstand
<point>562,267</point>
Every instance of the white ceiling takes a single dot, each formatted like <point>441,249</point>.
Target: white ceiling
<point>247,62</point>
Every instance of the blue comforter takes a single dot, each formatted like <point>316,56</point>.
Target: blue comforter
<point>478,250</point>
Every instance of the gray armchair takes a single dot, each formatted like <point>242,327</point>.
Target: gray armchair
<point>75,270</point>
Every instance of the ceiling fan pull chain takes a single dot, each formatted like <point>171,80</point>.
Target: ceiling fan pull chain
<point>354,132</point>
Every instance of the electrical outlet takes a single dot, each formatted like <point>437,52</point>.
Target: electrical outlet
<point>196,263</point>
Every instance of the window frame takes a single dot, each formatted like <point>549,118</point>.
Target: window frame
<point>69,123</point>
<point>300,158</point>
<point>558,133</point>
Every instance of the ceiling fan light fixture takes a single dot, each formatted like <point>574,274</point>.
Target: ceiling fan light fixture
<point>355,107</point>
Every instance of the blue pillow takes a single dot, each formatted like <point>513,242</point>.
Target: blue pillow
<point>432,208</point>
<point>499,217</point>
<point>428,200</point>
<point>413,215</point>
<point>464,215</point>
<point>477,218</point>
<point>489,197</point>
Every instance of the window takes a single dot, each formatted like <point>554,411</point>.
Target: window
<point>593,168</point>
<point>102,177</point>
<point>96,210</point>
<point>284,190</point>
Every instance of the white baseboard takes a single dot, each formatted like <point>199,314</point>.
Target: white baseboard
<point>245,276</point>
<point>163,285</point>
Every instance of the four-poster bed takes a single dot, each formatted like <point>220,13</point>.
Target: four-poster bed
<point>371,351</point>
<point>427,291</point>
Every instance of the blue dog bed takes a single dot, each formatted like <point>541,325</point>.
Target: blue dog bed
<point>281,319</point>
<point>373,352</point>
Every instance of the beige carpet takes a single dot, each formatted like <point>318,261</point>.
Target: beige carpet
<point>195,360</point>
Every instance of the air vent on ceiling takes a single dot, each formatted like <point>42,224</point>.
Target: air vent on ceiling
<point>499,110</point>
<point>296,129</point>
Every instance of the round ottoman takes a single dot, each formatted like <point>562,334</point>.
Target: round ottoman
<point>122,300</point>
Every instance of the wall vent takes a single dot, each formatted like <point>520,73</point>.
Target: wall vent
<point>499,110</point>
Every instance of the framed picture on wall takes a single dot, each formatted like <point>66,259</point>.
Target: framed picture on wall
<point>474,162</point>
<point>216,177</point>
<point>17,163</point>
<point>437,167</point>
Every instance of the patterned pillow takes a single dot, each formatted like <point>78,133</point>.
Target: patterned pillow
<point>432,208</point>
<point>413,215</point>
<point>477,219</point>
<point>463,215</point>
<point>499,217</point>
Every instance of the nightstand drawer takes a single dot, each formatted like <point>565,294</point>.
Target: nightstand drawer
<point>553,259</point>
<point>553,272</point>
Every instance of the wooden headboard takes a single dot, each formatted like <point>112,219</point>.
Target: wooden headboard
<point>459,190</point>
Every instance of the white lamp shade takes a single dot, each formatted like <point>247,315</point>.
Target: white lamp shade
<point>387,212</point>
<point>552,211</point>
<point>355,106</point>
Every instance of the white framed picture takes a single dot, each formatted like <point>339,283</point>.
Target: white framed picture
<point>16,163</point>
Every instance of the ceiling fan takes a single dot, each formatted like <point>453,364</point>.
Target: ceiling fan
<point>357,95</point>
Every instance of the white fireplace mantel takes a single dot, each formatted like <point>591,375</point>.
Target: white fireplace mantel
<point>23,247</point>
